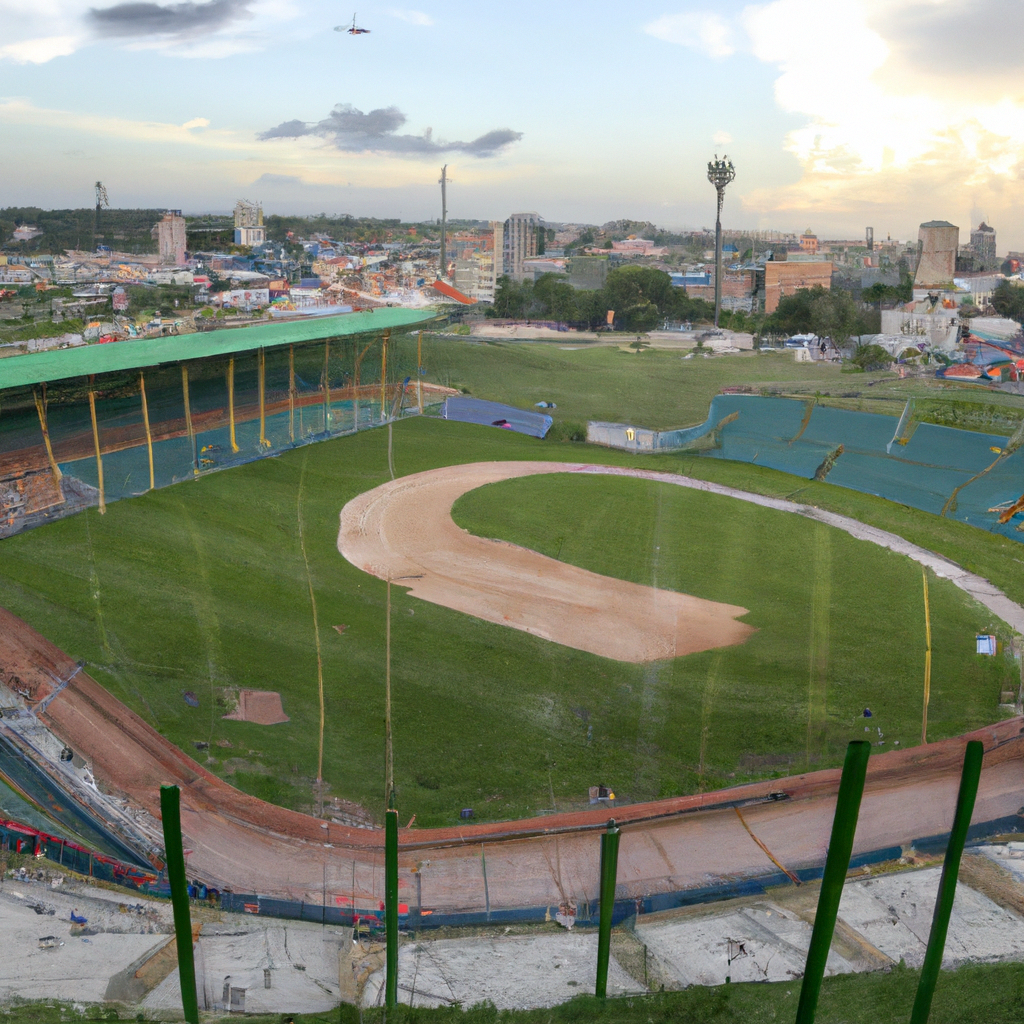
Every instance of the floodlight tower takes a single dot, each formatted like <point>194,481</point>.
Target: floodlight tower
<point>720,173</point>
<point>443,182</point>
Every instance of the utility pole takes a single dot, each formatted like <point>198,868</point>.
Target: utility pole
<point>720,173</point>
<point>101,201</point>
<point>443,182</point>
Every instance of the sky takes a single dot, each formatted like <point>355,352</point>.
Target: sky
<point>838,114</point>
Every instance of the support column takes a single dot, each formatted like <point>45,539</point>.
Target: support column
<point>188,420</point>
<point>41,410</point>
<point>170,812</point>
<point>837,863</point>
<point>969,779</point>
<point>291,393</point>
<point>419,371</point>
<point>384,374</point>
<point>231,404</point>
<point>261,358</point>
<point>391,907</point>
<point>609,873</point>
<point>149,433</point>
<point>96,443</point>
<point>327,388</point>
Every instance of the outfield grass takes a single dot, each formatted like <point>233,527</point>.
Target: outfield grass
<point>982,994</point>
<point>656,388</point>
<point>202,587</point>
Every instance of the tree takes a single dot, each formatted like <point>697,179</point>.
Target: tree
<point>512,300</point>
<point>630,286</point>
<point>642,316</point>
<point>1008,301</point>
<point>834,315</point>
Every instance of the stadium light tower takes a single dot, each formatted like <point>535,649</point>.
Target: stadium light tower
<point>720,173</point>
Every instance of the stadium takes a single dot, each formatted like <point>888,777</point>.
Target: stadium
<point>252,571</point>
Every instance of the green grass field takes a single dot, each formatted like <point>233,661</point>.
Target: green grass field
<point>202,587</point>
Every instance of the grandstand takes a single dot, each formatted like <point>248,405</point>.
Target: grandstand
<point>88,425</point>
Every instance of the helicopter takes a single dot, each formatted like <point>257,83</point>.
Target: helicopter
<point>353,29</point>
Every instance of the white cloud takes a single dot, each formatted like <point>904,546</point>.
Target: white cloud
<point>707,33</point>
<point>872,136</point>
<point>721,138</point>
<point>27,28</point>
<point>39,50</point>
<point>197,122</point>
<point>412,17</point>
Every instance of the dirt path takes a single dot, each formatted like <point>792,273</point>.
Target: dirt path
<point>404,529</point>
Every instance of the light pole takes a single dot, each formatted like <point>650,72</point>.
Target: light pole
<point>720,173</point>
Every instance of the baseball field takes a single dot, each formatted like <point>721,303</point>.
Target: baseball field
<point>181,599</point>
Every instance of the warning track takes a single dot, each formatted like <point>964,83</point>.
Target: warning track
<point>241,843</point>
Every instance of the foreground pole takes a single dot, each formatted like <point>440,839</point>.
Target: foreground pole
<point>947,883</point>
<point>170,811</point>
<point>837,863</point>
<point>391,907</point>
<point>609,873</point>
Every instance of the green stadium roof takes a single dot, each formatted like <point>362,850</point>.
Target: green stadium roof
<point>61,364</point>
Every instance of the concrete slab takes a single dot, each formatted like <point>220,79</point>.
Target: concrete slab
<point>766,942</point>
<point>300,962</point>
<point>76,970</point>
<point>894,913</point>
<point>519,972</point>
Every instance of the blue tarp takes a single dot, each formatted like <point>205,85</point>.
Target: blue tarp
<point>494,414</point>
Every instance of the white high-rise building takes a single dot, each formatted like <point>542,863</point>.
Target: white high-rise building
<point>170,235</point>
<point>249,229</point>
<point>518,242</point>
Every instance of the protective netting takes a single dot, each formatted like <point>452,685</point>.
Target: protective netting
<point>165,424</point>
<point>958,473</point>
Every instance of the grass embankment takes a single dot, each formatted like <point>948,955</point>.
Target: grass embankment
<point>202,587</point>
<point>983,994</point>
<point>660,389</point>
<point>657,389</point>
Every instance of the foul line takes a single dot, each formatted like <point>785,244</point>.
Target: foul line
<point>768,853</point>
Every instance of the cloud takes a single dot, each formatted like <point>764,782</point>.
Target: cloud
<point>707,33</point>
<point>278,179</point>
<point>412,17</point>
<point>896,136</point>
<point>39,51</point>
<point>353,131</point>
<point>197,122</point>
<point>721,138</point>
<point>132,20</point>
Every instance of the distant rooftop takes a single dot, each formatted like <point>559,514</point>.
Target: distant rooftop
<point>938,224</point>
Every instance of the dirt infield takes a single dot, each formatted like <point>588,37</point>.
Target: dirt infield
<point>260,706</point>
<point>404,528</point>
<point>244,844</point>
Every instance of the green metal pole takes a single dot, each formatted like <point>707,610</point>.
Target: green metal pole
<point>170,812</point>
<point>947,883</point>
<point>609,873</point>
<point>837,863</point>
<point>391,907</point>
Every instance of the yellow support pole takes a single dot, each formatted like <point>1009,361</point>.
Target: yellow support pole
<point>327,388</point>
<point>419,371</point>
<point>291,392</point>
<point>927,659</point>
<point>231,403</point>
<point>41,409</point>
<point>384,373</point>
<point>188,419</point>
<point>262,365</point>
<point>149,435</point>
<point>99,457</point>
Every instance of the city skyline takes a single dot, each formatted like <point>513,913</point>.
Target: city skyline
<point>837,115</point>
